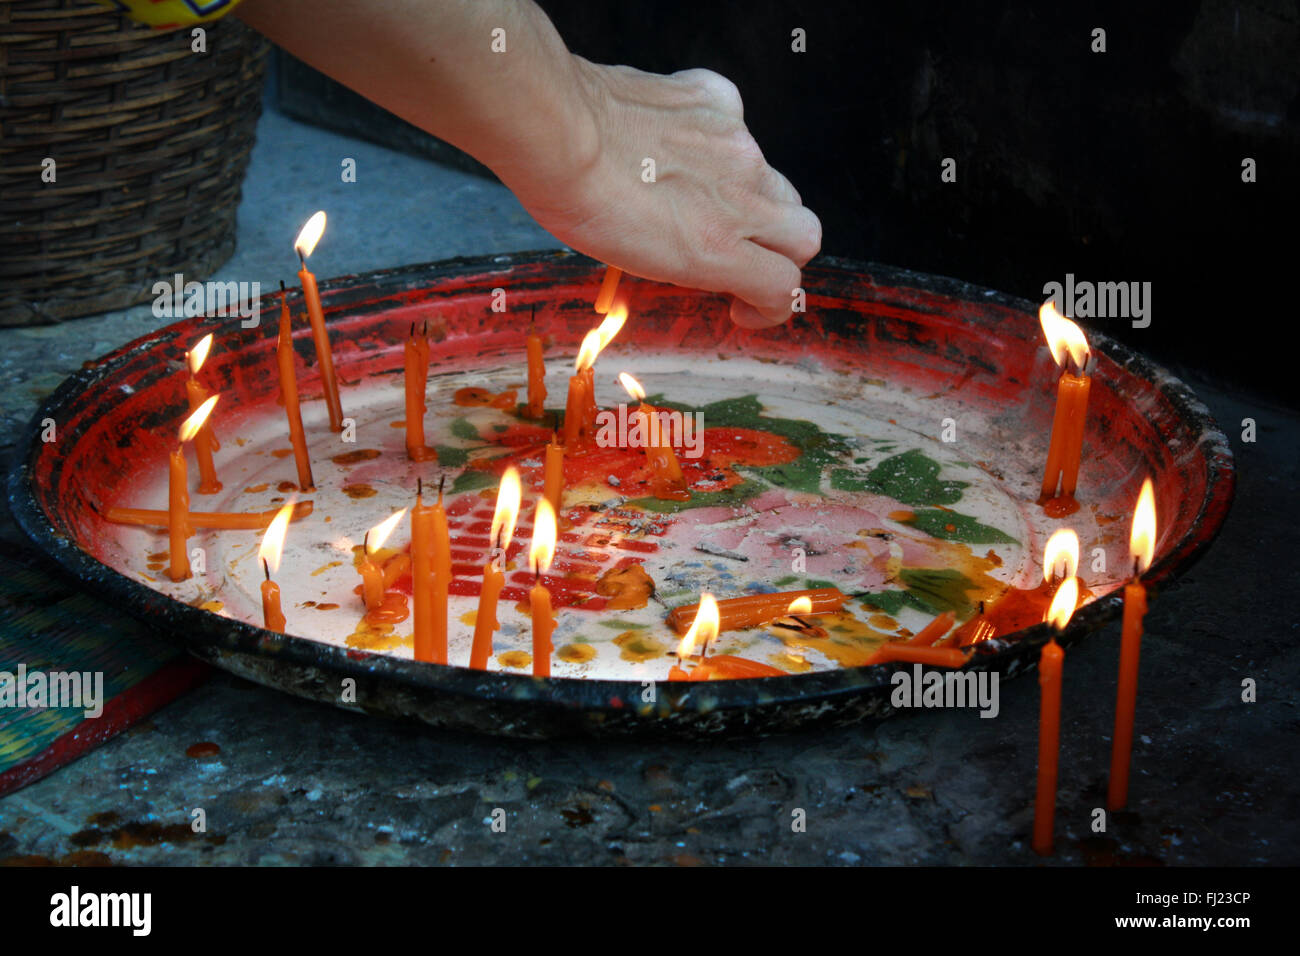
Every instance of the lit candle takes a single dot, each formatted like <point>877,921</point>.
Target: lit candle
<point>705,624</point>
<point>1142,543</point>
<point>540,554</point>
<point>553,476</point>
<point>755,610</point>
<point>580,409</point>
<point>205,443</point>
<point>304,245</point>
<point>289,390</point>
<point>576,404</point>
<point>178,494</point>
<point>608,287</point>
<point>536,376</point>
<point>667,480</point>
<point>1050,664</point>
<point>372,575</point>
<point>417,380</point>
<point>509,496</point>
<point>269,554</point>
<point>1067,342</point>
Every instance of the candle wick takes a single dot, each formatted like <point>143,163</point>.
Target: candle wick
<point>365,543</point>
<point>441,481</point>
<point>981,607</point>
<point>1136,573</point>
<point>419,486</point>
<point>302,259</point>
<point>267,568</point>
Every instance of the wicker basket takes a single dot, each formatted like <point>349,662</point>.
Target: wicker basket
<point>150,142</point>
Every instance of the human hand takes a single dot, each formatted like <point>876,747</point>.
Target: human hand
<point>717,216</point>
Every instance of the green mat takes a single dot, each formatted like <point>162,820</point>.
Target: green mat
<point>48,627</point>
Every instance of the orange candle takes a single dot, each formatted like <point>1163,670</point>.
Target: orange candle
<point>705,624</point>
<point>289,390</point>
<point>178,506</point>
<point>667,481</point>
<point>536,377</point>
<point>755,610</point>
<point>576,404</point>
<point>442,575</point>
<point>178,494</point>
<point>417,379</point>
<point>430,579</point>
<point>372,575</point>
<point>269,554</point>
<point>1067,342</point>
<point>540,554</point>
<point>1142,540</point>
<point>553,476</point>
<point>509,495</point>
<point>226,520</point>
<point>918,654</point>
<point>422,577</point>
<point>608,287</point>
<point>205,443</point>
<point>304,245</point>
<point>394,568</point>
<point>1051,662</point>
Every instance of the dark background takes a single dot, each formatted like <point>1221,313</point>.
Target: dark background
<point>1115,166</point>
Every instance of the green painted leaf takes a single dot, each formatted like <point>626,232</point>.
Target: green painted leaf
<point>913,479</point>
<point>939,590</point>
<point>891,602</point>
<point>623,625</point>
<point>814,583</point>
<point>472,480</point>
<point>953,526</point>
<point>707,499</point>
<point>461,428</point>
<point>782,582</point>
<point>450,456</point>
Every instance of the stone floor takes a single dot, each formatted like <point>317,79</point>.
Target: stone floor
<point>1214,778</point>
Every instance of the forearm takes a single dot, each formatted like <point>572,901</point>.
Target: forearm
<point>431,62</point>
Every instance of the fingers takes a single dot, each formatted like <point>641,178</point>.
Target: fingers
<point>776,186</point>
<point>764,280</point>
<point>792,230</point>
<point>721,93</point>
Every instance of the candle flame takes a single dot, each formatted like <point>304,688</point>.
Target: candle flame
<point>380,532</point>
<point>704,628</point>
<point>1062,551</point>
<point>542,550</point>
<point>273,541</point>
<point>190,427</point>
<point>1063,336</point>
<point>588,351</point>
<point>1063,604</point>
<point>632,385</point>
<point>199,354</point>
<point>305,244</point>
<point>612,323</point>
<point>509,495</point>
<point>1142,539</point>
<point>800,605</point>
